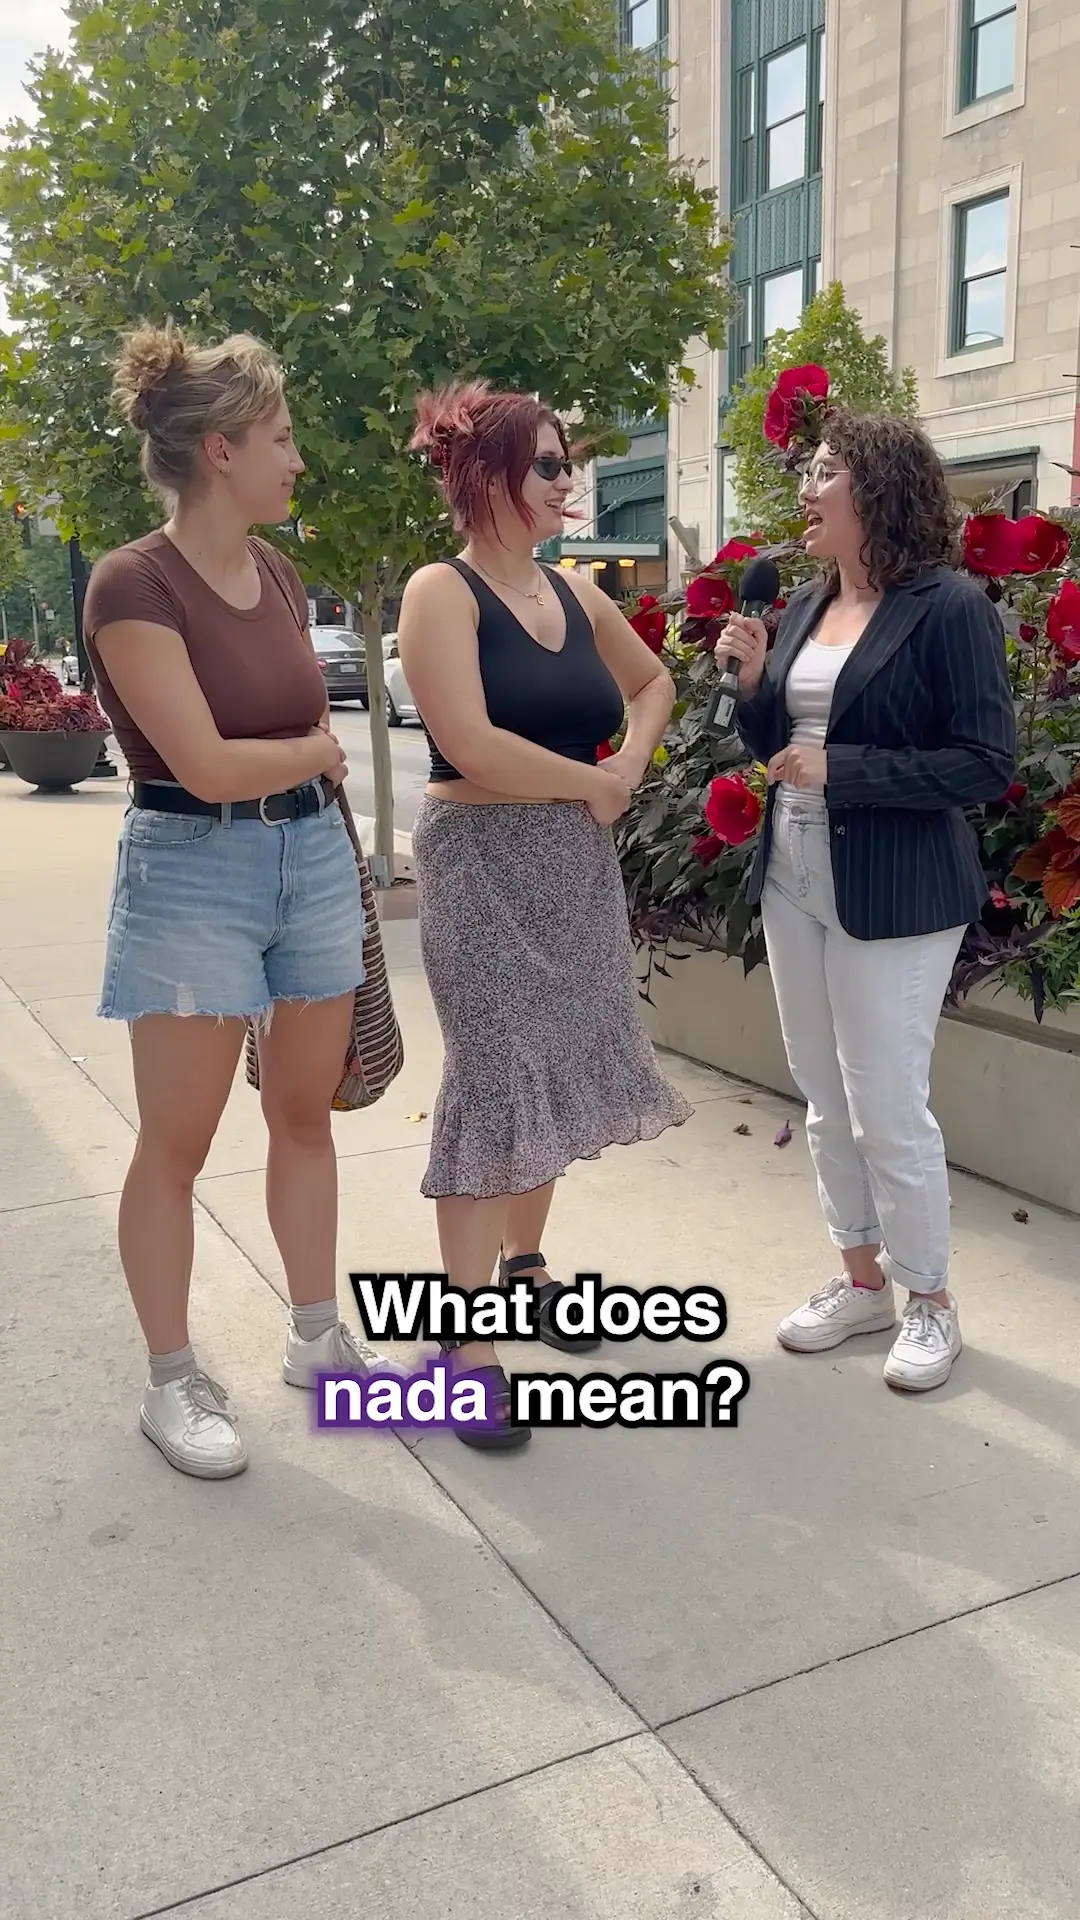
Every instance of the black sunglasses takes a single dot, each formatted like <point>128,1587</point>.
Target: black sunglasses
<point>549,466</point>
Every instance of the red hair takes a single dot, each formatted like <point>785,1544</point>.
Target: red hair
<point>473,435</point>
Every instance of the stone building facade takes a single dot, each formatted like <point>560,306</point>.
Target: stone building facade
<point>925,154</point>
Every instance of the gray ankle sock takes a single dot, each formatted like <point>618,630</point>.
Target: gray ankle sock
<point>171,1366</point>
<point>310,1322</point>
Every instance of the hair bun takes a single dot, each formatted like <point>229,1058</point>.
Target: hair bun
<point>146,359</point>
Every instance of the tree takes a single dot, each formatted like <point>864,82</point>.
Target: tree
<point>41,573</point>
<point>828,335</point>
<point>389,196</point>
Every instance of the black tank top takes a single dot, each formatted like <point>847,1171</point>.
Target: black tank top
<point>567,702</point>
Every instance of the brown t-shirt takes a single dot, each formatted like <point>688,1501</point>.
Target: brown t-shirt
<point>259,675</point>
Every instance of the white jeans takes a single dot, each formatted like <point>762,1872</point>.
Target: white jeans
<point>859,1019</point>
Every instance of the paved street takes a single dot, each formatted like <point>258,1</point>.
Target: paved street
<point>408,751</point>
<point>822,1666</point>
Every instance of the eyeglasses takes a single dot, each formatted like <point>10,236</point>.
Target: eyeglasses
<point>549,466</point>
<point>815,477</point>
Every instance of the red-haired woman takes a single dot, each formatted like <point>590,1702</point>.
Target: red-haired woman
<point>518,672</point>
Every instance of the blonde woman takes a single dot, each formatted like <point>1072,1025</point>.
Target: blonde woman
<point>236,894</point>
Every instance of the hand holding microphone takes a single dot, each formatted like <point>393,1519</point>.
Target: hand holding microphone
<point>745,641</point>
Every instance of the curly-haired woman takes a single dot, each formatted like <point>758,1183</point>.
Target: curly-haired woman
<point>882,712</point>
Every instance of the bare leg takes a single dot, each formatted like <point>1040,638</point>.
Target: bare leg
<point>470,1235</point>
<point>861,1264</point>
<point>300,1060</point>
<point>183,1069</point>
<point>526,1219</point>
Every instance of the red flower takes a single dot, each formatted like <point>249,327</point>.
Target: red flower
<point>1041,544</point>
<point>734,550</point>
<point>707,848</point>
<point>999,897</point>
<point>1028,634</point>
<point>990,545</point>
<point>707,598</point>
<point>784,407</point>
<point>605,751</point>
<point>732,809</point>
<point>650,622</point>
<point>1063,620</point>
<point>1013,795</point>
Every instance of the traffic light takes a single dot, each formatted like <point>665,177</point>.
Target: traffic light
<point>21,516</point>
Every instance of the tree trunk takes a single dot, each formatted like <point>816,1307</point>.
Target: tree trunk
<point>371,605</point>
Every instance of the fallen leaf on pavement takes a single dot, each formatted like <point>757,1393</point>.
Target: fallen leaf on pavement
<point>743,1129</point>
<point>418,1116</point>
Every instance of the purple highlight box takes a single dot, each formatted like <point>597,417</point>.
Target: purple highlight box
<point>434,1398</point>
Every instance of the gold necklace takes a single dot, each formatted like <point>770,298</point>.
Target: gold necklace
<point>538,595</point>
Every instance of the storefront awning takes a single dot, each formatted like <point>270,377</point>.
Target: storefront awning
<point>580,547</point>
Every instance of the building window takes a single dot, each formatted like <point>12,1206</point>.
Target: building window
<point>817,122</point>
<point>785,118</point>
<point>988,63</point>
<point>745,183</point>
<point>741,344</point>
<point>781,302</point>
<point>642,29</point>
<point>982,256</point>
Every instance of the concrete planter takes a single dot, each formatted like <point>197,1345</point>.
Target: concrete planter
<point>52,761</point>
<point>1004,1089</point>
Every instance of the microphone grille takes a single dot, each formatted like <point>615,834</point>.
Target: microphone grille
<point>760,580</point>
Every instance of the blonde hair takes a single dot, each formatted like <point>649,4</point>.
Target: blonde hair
<point>174,394</point>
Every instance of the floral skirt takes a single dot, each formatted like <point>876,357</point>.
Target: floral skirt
<point>527,951</point>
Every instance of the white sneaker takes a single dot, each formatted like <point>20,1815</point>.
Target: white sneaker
<point>836,1312</point>
<point>926,1345</point>
<point>337,1351</point>
<point>189,1420</point>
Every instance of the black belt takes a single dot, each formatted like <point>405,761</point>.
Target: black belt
<point>273,810</point>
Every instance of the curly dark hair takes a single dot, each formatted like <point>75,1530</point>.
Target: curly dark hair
<point>900,493</point>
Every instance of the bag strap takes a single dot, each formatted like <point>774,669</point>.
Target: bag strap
<point>350,824</point>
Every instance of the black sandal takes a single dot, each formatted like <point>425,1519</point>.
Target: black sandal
<point>544,1296</point>
<point>505,1434</point>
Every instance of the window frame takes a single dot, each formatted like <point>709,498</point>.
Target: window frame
<point>960,111</point>
<point>961,214</point>
<point>970,29</point>
<point>628,9</point>
<point>954,203</point>
<point>768,127</point>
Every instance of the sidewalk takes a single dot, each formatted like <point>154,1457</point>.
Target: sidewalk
<point>824,1665</point>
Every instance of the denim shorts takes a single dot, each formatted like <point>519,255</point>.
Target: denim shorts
<point>225,917</point>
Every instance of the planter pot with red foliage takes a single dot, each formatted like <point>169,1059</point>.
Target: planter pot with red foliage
<point>53,761</point>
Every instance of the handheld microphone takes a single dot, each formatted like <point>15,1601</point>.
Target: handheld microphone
<point>759,586</point>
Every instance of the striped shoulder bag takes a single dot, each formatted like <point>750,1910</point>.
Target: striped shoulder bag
<point>375,1053</point>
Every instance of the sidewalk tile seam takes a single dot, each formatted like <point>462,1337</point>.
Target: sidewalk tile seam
<point>388,1826</point>
<point>60,1200</point>
<point>861,1653</point>
<point>617,1692</point>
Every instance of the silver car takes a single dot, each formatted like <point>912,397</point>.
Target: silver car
<point>400,705</point>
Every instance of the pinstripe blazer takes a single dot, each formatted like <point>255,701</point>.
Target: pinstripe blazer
<point>922,725</point>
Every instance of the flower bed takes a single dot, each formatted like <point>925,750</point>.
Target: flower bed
<point>32,699</point>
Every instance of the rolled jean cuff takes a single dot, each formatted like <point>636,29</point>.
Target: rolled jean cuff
<point>847,1237</point>
<point>914,1282</point>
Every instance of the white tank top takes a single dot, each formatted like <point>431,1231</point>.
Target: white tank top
<point>809,691</point>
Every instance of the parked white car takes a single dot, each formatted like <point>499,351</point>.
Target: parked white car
<point>400,705</point>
